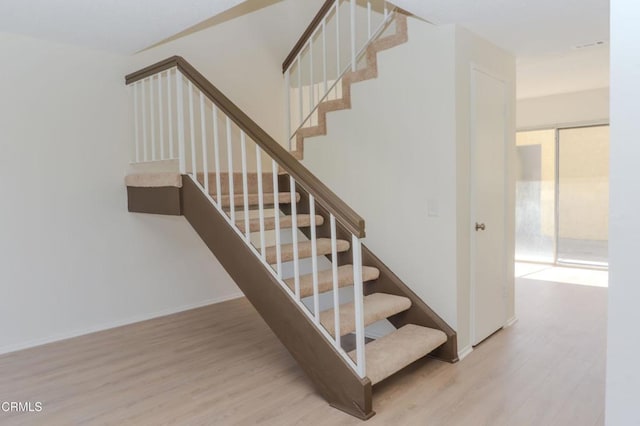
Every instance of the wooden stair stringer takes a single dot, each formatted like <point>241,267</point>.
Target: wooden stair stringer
<point>332,376</point>
<point>369,72</point>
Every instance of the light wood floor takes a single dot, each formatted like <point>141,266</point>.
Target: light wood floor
<point>220,365</point>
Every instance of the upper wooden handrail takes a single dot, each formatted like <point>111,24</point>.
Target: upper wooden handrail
<point>307,34</point>
<point>345,214</point>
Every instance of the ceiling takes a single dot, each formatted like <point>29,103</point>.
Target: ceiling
<point>543,35</point>
<point>119,26</point>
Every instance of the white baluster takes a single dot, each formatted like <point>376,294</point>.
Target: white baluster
<point>300,88</point>
<point>337,39</point>
<point>287,87</point>
<point>311,82</point>
<point>338,71</point>
<point>276,213</point>
<point>180,108</point>
<point>161,116</point>
<point>324,55</point>
<point>314,259</point>
<point>353,35</point>
<point>216,153</point>
<point>261,201</point>
<point>192,128</point>
<point>245,186</point>
<point>294,235</point>
<point>136,125</point>
<point>203,132</point>
<point>170,114</point>
<point>232,210</point>
<point>358,300</point>
<point>144,121</point>
<point>369,18</point>
<point>152,112</point>
<point>336,283</point>
<point>386,10</point>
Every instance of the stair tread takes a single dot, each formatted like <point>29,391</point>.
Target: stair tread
<point>393,352</point>
<point>377,306</point>
<point>325,279</point>
<point>286,222</point>
<point>253,198</point>
<point>304,249</point>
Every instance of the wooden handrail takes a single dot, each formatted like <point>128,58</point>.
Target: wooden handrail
<point>343,213</point>
<point>307,34</point>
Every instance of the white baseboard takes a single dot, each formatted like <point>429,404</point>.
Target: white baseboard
<point>511,321</point>
<point>464,352</point>
<point>102,327</point>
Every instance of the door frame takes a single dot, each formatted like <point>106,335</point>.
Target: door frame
<point>472,197</point>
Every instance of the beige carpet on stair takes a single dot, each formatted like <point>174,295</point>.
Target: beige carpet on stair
<point>286,222</point>
<point>154,180</point>
<point>377,306</point>
<point>325,279</point>
<point>323,246</point>
<point>393,352</point>
<point>253,199</point>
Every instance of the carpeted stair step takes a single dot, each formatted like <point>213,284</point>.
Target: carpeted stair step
<point>304,249</point>
<point>303,220</point>
<point>238,199</point>
<point>325,279</point>
<point>377,306</point>
<point>393,352</point>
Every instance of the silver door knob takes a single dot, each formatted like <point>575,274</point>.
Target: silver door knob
<point>480,226</point>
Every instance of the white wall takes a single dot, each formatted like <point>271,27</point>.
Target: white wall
<point>392,153</point>
<point>242,56</point>
<point>72,259</point>
<point>623,369</point>
<point>403,149</point>
<point>565,109</point>
<point>473,50</point>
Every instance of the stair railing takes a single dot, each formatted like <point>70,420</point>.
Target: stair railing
<point>319,60</point>
<point>180,115</point>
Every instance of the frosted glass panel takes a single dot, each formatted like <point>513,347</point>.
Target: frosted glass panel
<point>584,195</point>
<point>535,196</point>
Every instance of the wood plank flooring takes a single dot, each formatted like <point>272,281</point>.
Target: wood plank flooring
<point>221,365</point>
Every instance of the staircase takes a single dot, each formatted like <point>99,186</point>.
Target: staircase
<point>370,71</point>
<point>292,246</point>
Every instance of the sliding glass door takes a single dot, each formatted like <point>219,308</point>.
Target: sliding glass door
<point>535,196</point>
<point>562,195</point>
<point>583,195</point>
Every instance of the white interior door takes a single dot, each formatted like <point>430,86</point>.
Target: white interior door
<point>488,208</point>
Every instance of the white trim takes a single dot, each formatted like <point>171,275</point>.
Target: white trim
<point>115,324</point>
<point>464,352</point>
<point>511,321</point>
